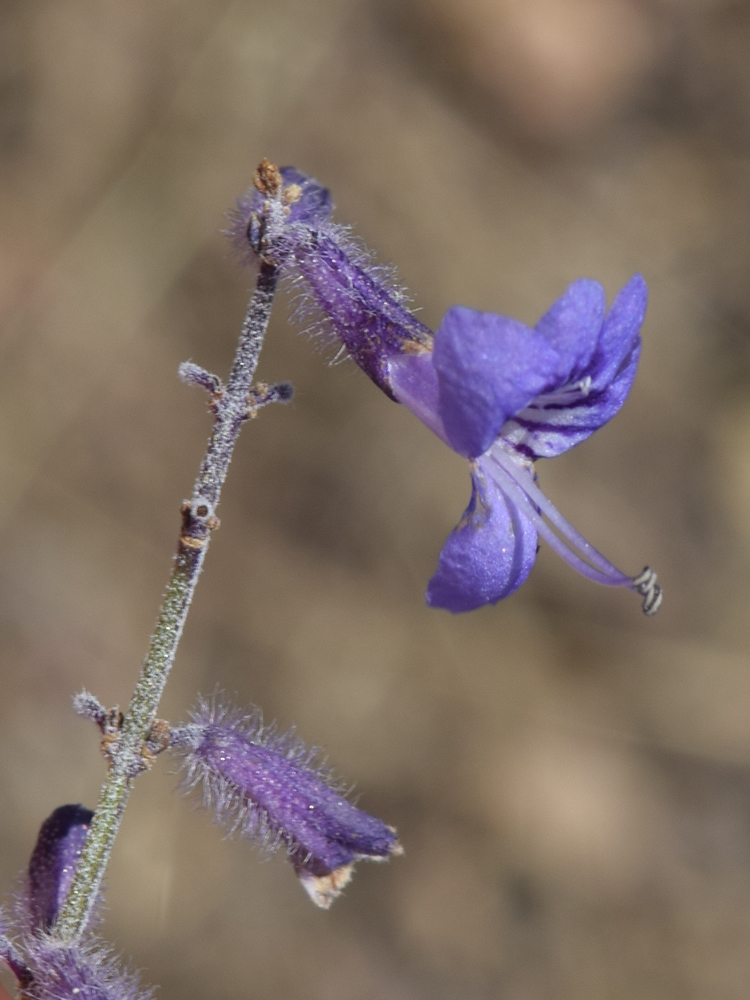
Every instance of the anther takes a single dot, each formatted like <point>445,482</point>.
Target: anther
<point>646,585</point>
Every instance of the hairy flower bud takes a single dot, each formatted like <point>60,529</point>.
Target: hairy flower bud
<point>344,294</point>
<point>45,967</point>
<point>267,785</point>
<point>78,972</point>
<point>53,862</point>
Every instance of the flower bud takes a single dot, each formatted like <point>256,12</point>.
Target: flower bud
<point>266,785</point>
<point>53,862</point>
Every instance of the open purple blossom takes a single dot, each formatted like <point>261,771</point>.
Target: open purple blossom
<point>268,786</point>
<point>495,391</point>
<point>504,395</point>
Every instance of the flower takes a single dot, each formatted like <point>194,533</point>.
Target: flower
<point>500,394</point>
<point>503,395</point>
<point>266,785</point>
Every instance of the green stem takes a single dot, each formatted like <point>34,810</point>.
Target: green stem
<point>231,406</point>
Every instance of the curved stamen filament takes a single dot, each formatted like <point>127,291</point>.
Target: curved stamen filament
<point>518,485</point>
<point>514,493</point>
<point>524,482</point>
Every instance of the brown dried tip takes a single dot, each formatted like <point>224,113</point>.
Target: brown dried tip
<point>292,194</point>
<point>267,178</point>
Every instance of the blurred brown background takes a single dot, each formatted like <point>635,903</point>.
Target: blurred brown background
<point>570,780</point>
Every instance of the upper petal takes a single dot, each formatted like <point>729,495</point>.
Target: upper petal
<point>572,327</point>
<point>620,333</point>
<point>488,367</point>
<point>488,555</point>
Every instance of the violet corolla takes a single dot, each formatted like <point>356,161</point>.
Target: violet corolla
<point>494,390</point>
<point>267,785</point>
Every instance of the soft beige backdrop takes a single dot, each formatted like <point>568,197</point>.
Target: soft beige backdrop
<point>570,780</point>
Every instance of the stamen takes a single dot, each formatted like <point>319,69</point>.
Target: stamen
<point>524,480</point>
<point>518,485</point>
<point>514,493</point>
<point>564,396</point>
<point>646,585</point>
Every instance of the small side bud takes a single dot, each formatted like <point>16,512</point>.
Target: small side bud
<point>262,394</point>
<point>284,391</point>
<point>53,862</point>
<point>156,742</point>
<point>266,785</point>
<point>88,706</point>
<point>192,374</point>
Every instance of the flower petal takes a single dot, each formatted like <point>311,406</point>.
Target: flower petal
<point>313,204</point>
<point>488,555</point>
<point>489,367</point>
<point>540,432</point>
<point>572,326</point>
<point>620,333</point>
<point>413,381</point>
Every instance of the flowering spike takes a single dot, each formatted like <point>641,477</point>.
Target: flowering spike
<point>268,785</point>
<point>53,862</point>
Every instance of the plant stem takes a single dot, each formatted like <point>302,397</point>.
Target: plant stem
<point>232,405</point>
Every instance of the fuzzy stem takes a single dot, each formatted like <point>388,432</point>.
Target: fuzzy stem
<point>232,407</point>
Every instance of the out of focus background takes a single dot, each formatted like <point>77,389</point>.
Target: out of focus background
<point>570,780</point>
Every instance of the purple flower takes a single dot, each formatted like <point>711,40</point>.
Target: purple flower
<point>495,391</point>
<point>267,785</point>
<point>503,395</point>
<point>53,862</point>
